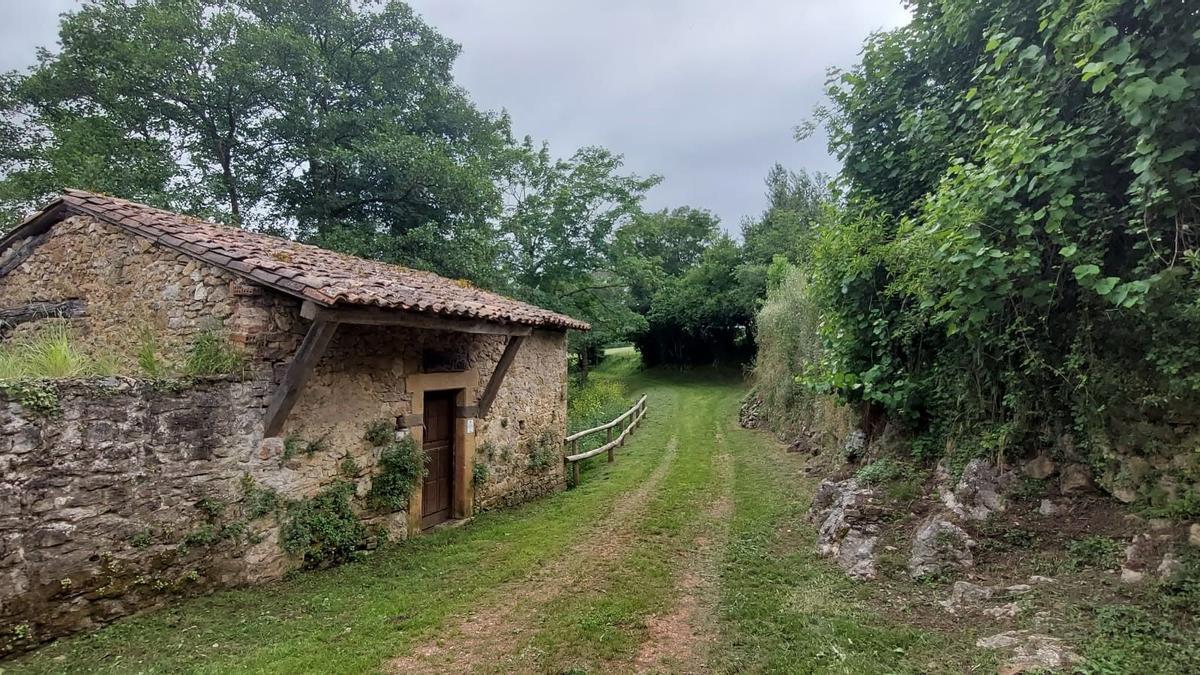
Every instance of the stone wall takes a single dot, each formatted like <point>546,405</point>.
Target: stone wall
<point>101,492</point>
<point>126,493</point>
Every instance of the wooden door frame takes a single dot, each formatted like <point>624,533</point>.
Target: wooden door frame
<point>465,384</point>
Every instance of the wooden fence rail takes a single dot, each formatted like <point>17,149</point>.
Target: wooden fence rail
<point>634,416</point>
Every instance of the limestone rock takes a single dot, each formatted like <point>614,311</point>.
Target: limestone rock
<point>978,494</point>
<point>848,525</point>
<point>1030,651</point>
<point>1129,576</point>
<point>1048,508</point>
<point>1170,567</point>
<point>1076,478</point>
<point>965,595</point>
<point>1005,611</point>
<point>1194,534</point>
<point>1039,468</point>
<point>940,546</point>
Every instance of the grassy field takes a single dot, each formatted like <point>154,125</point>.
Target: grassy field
<point>690,553</point>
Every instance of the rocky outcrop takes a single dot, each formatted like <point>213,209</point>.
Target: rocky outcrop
<point>847,515</point>
<point>979,492</point>
<point>939,547</point>
<point>750,414</point>
<point>1030,652</point>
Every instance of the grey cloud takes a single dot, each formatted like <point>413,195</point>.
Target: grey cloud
<point>705,93</point>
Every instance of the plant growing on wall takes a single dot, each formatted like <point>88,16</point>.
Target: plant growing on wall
<point>210,353</point>
<point>401,468</point>
<point>543,452</point>
<point>324,529</point>
<point>379,433</point>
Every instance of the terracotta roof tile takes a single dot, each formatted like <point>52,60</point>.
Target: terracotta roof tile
<point>326,277</point>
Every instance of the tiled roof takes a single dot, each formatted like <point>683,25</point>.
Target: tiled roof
<point>324,277</point>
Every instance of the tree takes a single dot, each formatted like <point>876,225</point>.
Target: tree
<point>341,119</point>
<point>653,248</point>
<point>556,234</point>
<point>703,316</point>
<point>1019,253</point>
<point>796,202</point>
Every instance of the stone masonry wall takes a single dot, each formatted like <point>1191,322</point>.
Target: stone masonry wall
<point>134,492</point>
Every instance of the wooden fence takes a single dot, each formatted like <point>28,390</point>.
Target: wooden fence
<point>634,416</point>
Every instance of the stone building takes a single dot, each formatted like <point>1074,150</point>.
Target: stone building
<point>118,493</point>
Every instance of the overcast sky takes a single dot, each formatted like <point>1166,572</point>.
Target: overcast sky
<point>705,93</point>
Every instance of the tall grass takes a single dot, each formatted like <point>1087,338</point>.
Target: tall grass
<point>595,403</point>
<point>51,354</point>
<point>789,348</point>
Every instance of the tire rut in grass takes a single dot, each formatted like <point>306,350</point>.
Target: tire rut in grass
<point>679,641</point>
<point>496,631</point>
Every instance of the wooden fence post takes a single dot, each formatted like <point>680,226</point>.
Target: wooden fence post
<point>608,439</point>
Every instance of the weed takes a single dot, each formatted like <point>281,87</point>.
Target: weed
<point>210,353</point>
<point>1095,551</point>
<point>379,433</point>
<point>880,471</point>
<point>212,507</point>
<point>142,539</point>
<point>258,501</point>
<point>401,468</point>
<point>481,473</point>
<point>37,397</point>
<point>147,355</point>
<point>348,468</point>
<point>294,445</point>
<point>543,452</point>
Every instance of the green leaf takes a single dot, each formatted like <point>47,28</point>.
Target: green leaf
<point>1105,285</point>
<point>1069,250</point>
<point>1085,271</point>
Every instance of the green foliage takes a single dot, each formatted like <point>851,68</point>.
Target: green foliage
<point>1014,255</point>
<point>35,396</point>
<point>703,316</point>
<point>348,467</point>
<point>148,359</point>
<point>294,445</point>
<point>1132,639</point>
<point>258,501</point>
<point>50,353</point>
<point>324,529</point>
<point>401,469</point>
<point>789,349</point>
<point>142,539</point>
<point>595,402</point>
<point>379,432</point>
<point>481,473</point>
<point>544,452</point>
<point>880,471</point>
<point>1095,552</point>
<point>211,507</point>
<point>210,353</point>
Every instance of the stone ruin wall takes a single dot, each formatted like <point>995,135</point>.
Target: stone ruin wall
<point>99,498</point>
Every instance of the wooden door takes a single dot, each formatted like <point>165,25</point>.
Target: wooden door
<point>438,491</point>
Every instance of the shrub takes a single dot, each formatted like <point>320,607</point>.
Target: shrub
<point>401,468</point>
<point>324,529</point>
<point>880,471</point>
<point>379,433</point>
<point>210,353</point>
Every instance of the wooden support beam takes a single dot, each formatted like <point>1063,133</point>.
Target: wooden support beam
<point>381,317</point>
<point>298,371</point>
<point>11,317</point>
<point>502,366</point>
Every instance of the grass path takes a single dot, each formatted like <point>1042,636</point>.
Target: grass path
<point>689,554</point>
